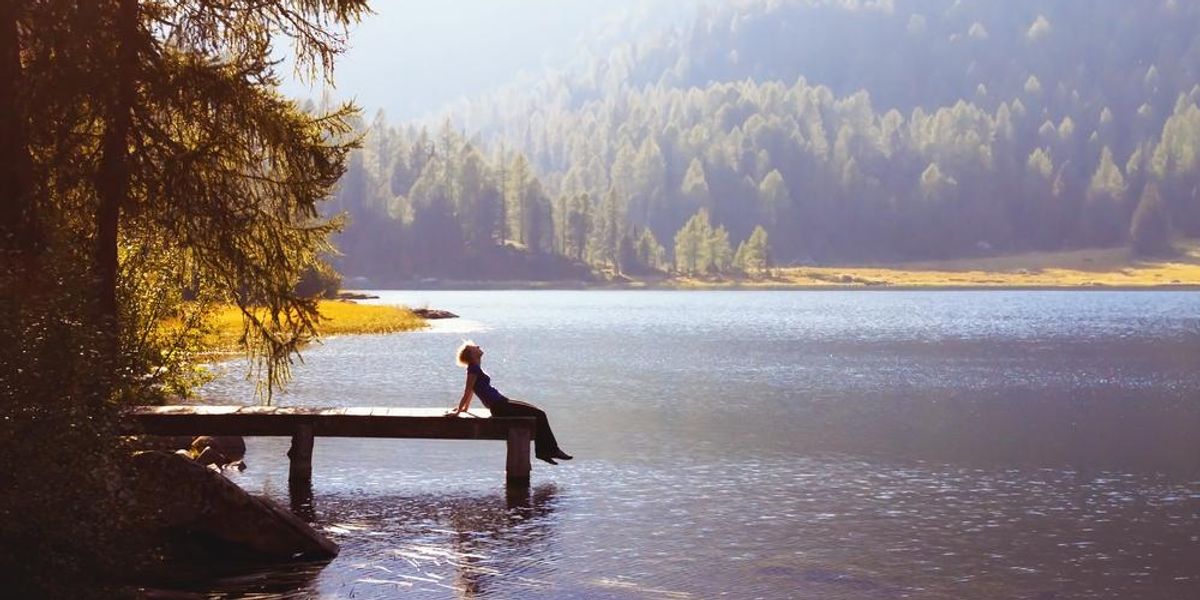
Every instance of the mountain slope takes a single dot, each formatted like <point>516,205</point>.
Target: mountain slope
<point>848,130</point>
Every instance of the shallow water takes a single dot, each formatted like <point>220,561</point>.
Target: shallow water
<point>765,445</point>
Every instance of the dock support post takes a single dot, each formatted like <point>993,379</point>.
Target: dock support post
<point>300,455</point>
<point>517,468</point>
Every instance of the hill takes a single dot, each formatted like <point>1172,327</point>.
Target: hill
<point>847,130</point>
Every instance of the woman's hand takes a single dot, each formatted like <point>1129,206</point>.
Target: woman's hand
<point>465,402</point>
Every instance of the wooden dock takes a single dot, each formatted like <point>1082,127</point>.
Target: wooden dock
<point>304,424</point>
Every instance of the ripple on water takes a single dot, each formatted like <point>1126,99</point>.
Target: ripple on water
<point>767,445</point>
<point>828,526</point>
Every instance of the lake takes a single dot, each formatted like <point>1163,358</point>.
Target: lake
<point>756,444</point>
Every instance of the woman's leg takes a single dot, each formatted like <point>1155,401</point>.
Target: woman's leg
<point>544,444</point>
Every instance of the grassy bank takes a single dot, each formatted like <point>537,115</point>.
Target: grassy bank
<point>1091,268</point>
<point>340,318</point>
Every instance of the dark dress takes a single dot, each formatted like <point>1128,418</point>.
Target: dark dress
<point>544,444</point>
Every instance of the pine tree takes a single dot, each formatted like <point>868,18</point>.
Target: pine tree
<point>1103,217</point>
<point>694,189</point>
<point>753,254</point>
<point>1150,230</point>
<point>605,232</point>
<point>537,223</point>
<point>575,226</point>
<point>649,252</point>
<point>774,199</point>
<point>720,251</point>
<point>699,249</point>
<point>646,200</point>
<point>515,181</point>
<point>147,158</point>
<point>627,260</point>
<point>688,243</point>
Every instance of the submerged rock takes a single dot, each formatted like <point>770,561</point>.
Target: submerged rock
<point>181,495</point>
<point>355,296</point>
<point>434,313</point>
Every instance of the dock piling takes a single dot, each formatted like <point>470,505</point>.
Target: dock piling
<point>517,467</point>
<point>300,455</point>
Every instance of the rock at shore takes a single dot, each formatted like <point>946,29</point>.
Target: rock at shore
<point>181,495</point>
<point>434,313</point>
<point>355,296</point>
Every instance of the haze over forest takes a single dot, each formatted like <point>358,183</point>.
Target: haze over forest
<point>718,138</point>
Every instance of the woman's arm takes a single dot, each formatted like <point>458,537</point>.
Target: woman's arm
<point>468,392</point>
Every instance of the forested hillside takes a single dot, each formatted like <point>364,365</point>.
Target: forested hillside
<point>847,130</point>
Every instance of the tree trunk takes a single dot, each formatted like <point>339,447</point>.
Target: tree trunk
<point>19,228</point>
<point>112,183</point>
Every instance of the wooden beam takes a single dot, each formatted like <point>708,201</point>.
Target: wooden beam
<point>346,422</point>
<point>304,424</point>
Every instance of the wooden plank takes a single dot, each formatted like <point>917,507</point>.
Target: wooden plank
<point>385,411</point>
<point>417,427</point>
<point>257,410</point>
<point>217,410</point>
<point>283,421</point>
<point>166,409</point>
<point>306,410</point>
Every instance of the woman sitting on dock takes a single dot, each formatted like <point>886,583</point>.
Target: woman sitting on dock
<point>480,384</point>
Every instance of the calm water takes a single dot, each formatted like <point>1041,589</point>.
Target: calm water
<point>766,445</point>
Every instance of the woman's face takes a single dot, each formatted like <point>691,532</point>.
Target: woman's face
<point>477,352</point>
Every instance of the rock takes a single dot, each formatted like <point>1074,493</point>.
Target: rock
<point>433,313</point>
<point>355,296</point>
<point>181,495</point>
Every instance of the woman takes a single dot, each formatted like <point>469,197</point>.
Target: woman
<point>478,383</point>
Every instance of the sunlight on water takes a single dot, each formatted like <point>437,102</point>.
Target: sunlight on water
<point>456,326</point>
<point>745,445</point>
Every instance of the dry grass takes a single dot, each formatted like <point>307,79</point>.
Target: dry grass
<point>1075,269</point>
<point>340,318</point>
<point>349,317</point>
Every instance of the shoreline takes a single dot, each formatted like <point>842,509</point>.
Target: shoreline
<point>517,285</point>
<point>1106,269</point>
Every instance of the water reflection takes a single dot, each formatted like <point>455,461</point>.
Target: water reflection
<point>932,445</point>
<point>436,546</point>
<point>300,497</point>
<point>220,580</point>
<point>455,545</point>
<point>473,572</point>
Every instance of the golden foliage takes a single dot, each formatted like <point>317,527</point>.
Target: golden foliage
<point>224,328</point>
<point>1113,267</point>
